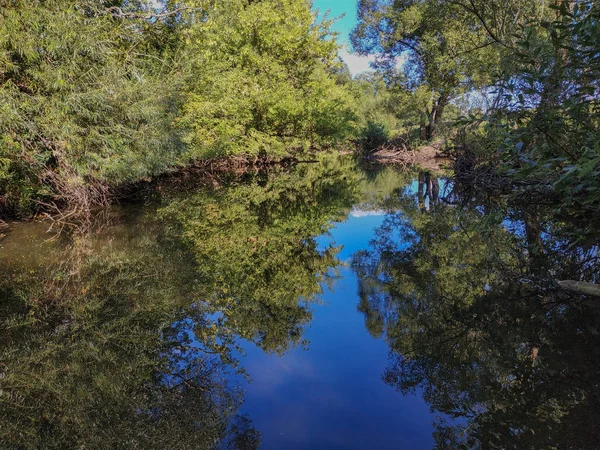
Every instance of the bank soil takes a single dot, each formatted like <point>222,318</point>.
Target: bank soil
<point>427,157</point>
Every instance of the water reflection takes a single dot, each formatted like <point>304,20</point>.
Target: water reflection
<point>126,338</point>
<point>468,301</point>
<point>88,356</point>
<point>255,250</point>
<point>139,335</point>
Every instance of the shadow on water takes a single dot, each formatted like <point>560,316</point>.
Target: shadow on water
<point>139,334</point>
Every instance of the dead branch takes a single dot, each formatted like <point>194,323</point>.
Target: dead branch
<point>580,287</point>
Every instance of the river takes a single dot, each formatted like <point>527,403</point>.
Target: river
<point>323,306</point>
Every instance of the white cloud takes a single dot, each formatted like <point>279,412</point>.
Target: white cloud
<point>364,213</point>
<point>359,64</point>
<point>356,63</point>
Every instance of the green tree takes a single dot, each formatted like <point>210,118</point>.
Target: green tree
<point>446,52</point>
<point>100,94</point>
<point>548,118</point>
<point>262,84</point>
<point>87,101</point>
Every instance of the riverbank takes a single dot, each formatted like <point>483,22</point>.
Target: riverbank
<point>76,199</point>
<point>78,203</point>
<point>428,157</point>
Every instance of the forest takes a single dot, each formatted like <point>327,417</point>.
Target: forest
<point>101,95</point>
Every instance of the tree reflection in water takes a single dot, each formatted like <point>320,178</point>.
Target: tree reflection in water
<point>468,301</point>
<point>126,337</point>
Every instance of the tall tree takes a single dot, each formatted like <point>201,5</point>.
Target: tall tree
<point>448,50</point>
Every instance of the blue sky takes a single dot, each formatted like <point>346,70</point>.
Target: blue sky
<point>344,26</point>
<point>338,8</point>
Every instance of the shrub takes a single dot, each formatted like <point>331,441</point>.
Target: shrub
<point>373,136</point>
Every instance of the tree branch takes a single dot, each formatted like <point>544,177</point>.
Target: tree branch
<point>473,10</point>
<point>478,47</point>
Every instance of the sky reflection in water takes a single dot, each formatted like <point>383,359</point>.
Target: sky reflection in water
<point>453,308</point>
<point>331,395</point>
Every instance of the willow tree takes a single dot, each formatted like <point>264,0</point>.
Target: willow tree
<point>447,50</point>
<point>87,97</point>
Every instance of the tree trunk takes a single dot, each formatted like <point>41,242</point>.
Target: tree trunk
<point>420,193</point>
<point>435,116</point>
<point>422,126</point>
<point>580,287</point>
<point>533,234</point>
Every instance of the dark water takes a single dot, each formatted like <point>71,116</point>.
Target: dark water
<point>321,307</point>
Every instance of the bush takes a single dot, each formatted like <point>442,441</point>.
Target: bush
<point>373,136</point>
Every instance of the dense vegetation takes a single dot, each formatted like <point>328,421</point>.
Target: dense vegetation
<point>137,328</point>
<point>99,94</point>
<point>515,84</point>
<point>96,94</point>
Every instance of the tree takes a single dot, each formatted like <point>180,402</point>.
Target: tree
<point>87,101</point>
<point>446,52</point>
<point>100,94</point>
<point>262,84</point>
<point>548,112</point>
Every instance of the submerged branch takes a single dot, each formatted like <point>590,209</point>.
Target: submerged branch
<point>580,287</point>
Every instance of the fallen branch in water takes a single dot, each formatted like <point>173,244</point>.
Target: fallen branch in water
<point>580,287</point>
<point>398,152</point>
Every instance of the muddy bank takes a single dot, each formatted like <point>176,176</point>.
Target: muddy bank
<point>428,158</point>
<point>77,201</point>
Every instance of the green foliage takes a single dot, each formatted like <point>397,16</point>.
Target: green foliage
<point>526,75</point>
<point>98,94</point>
<point>469,304</point>
<point>83,98</point>
<point>262,84</point>
<point>446,52</point>
<point>372,136</point>
<point>550,114</point>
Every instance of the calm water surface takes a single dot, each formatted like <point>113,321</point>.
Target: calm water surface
<point>321,307</point>
<point>330,394</point>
